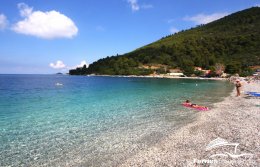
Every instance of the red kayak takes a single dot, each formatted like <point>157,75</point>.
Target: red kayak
<point>196,107</point>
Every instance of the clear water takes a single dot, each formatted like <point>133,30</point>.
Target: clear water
<point>92,121</point>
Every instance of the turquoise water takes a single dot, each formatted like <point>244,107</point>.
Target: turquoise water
<point>92,121</point>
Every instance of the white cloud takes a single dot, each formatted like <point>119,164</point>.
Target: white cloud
<point>3,21</point>
<point>82,63</point>
<point>58,65</point>
<point>25,10</point>
<point>257,5</point>
<point>134,5</point>
<point>204,19</point>
<point>173,30</point>
<point>47,25</point>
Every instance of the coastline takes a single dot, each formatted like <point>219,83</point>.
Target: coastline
<point>236,120</point>
<point>159,76</point>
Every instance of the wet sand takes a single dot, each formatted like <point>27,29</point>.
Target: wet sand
<point>235,120</point>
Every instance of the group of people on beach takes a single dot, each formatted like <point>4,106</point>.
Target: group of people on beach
<point>238,88</point>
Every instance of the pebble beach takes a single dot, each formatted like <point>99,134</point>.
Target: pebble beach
<point>234,120</point>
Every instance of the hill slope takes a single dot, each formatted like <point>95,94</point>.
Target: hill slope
<point>233,41</point>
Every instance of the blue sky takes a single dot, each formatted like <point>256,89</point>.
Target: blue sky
<point>49,36</point>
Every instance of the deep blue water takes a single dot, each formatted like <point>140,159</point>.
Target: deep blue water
<point>92,121</point>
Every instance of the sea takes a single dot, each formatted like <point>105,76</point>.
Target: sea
<point>62,120</point>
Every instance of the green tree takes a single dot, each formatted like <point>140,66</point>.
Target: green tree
<point>233,68</point>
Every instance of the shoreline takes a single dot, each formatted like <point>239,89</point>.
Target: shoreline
<point>159,77</point>
<point>235,119</point>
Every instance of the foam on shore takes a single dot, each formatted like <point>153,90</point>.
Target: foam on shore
<point>236,119</point>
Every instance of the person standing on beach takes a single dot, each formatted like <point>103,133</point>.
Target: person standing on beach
<point>238,87</point>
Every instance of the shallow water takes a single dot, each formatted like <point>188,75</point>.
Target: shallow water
<point>92,121</point>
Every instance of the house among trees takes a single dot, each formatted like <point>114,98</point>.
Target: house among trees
<point>201,71</point>
<point>175,72</point>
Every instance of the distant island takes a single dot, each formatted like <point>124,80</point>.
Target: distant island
<point>228,45</point>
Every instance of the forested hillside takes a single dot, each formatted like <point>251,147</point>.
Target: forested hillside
<point>233,41</point>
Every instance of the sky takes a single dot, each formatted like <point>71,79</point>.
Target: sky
<point>50,36</point>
